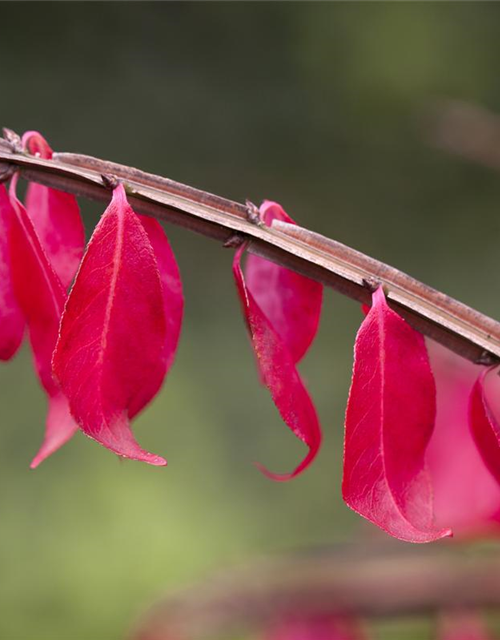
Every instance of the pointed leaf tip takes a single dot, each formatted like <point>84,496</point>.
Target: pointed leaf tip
<point>389,421</point>
<point>60,428</point>
<point>279,373</point>
<point>111,356</point>
<point>302,466</point>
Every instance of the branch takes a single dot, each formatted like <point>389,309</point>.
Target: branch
<point>348,580</point>
<point>467,130</point>
<point>453,324</point>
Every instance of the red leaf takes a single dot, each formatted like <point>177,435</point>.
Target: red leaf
<point>291,302</point>
<point>484,426</point>
<point>389,421</point>
<point>111,355</point>
<point>466,496</point>
<point>56,218</point>
<point>41,297</point>
<point>279,374</point>
<point>11,317</point>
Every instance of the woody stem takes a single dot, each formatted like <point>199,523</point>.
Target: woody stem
<point>455,325</point>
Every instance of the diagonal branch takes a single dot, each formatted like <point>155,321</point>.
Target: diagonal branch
<point>458,327</point>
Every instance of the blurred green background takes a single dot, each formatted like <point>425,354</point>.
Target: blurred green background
<point>316,105</point>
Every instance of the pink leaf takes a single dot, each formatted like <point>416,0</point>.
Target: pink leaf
<point>279,374</point>
<point>56,218</point>
<point>484,426</point>
<point>389,421</point>
<point>41,297</point>
<point>291,302</point>
<point>11,317</point>
<point>111,354</point>
<point>466,496</point>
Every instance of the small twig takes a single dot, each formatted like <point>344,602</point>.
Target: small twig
<point>458,327</point>
<point>109,181</point>
<point>365,582</point>
<point>467,130</point>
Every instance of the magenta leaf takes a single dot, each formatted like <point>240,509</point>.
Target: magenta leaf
<point>466,496</point>
<point>55,216</point>
<point>291,302</point>
<point>389,421</point>
<point>41,297</point>
<point>111,356</point>
<point>11,317</point>
<point>279,373</point>
<point>484,426</point>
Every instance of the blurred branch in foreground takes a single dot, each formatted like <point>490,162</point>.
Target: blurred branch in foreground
<point>366,582</point>
<point>467,130</point>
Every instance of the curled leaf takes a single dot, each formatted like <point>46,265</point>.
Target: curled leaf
<point>389,421</point>
<point>111,356</point>
<point>11,318</point>
<point>484,426</point>
<point>279,373</point>
<point>41,298</point>
<point>55,216</point>
<point>291,302</point>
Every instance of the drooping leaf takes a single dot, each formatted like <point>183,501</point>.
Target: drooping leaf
<point>291,302</point>
<point>279,374</point>
<point>389,421</point>
<point>11,318</point>
<point>484,426</point>
<point>55,216</point>
<point>111,354</point>
<point>41,298</point>
<point>466,496</point>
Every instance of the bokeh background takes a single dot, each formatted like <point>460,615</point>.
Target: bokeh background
<point>317,105</point>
